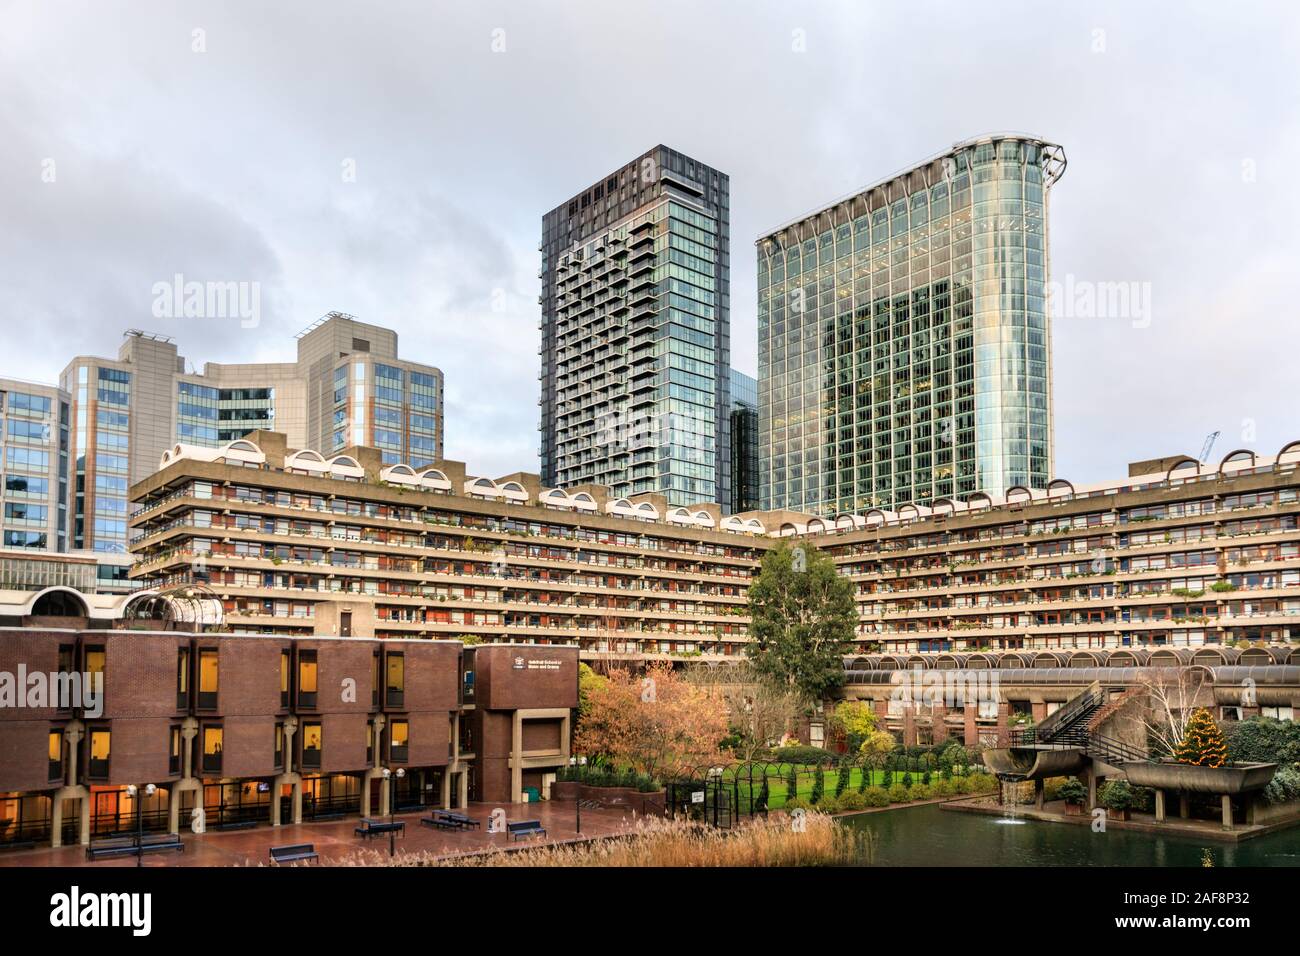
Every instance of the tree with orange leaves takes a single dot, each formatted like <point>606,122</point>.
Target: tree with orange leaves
<point>657,723</point>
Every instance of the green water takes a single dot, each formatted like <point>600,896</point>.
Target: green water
<point>929,836</point>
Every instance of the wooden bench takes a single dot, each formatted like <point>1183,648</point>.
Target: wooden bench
<point>447,820</point>
<point>294,852</point>
<point>525,828</point>
<point>127,846</point>
<point>371,828</point>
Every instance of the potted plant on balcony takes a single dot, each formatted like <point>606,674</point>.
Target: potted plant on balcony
<point>1117,797</point>
<point>1074,794</point>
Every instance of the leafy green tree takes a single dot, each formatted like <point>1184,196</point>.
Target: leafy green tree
<point>802,619</point>
<point>854,720</point>
<point>588,681</point>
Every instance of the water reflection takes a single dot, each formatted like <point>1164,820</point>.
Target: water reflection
<point>929,836</point>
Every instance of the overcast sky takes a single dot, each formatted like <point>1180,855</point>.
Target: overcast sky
<point>394,159</point>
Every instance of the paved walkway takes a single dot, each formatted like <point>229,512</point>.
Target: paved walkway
<point>335,840</point>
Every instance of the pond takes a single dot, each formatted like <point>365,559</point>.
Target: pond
<point>929,836</point>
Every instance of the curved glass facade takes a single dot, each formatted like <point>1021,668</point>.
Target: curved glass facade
<point>903,337</point>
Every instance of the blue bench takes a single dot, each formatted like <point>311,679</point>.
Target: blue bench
<point>294,852</point>
<point>128,846</point>
<point>371,828</point>
<point>522,828</point>
<point>447,820</point>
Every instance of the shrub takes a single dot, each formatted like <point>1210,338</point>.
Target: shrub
<point>853,800</point>
<point>1284,786</point>
<point>943,788</point>
<point>898,794</point>
<point>865,780</point>
<point>1264,740</point>
<point>888,779</point>
<point>984,782</point>
<point>829,804</point>
<point>921,792</point>
<point>760,803</point>
<point>842,781</point>
<point>876,797</point>
<point>1116,795</point>
<point>962,785</point>
<point>792,783</point>
<point>1072,791</point>
<point>907,779</point>
<point>925,778</point>
<point>818,787</point>
<point>798,803</point>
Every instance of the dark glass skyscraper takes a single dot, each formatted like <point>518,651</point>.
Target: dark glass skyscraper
<point>635,339</point>
<point>903,339</point>
<point>745,492</point>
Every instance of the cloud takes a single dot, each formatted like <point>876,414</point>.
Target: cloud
<point>228,164</point>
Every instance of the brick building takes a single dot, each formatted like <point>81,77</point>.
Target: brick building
<point>268,729</point>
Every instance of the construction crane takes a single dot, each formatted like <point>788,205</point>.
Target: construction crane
<point>1210,439</point>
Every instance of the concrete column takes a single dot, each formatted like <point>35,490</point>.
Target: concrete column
<point>1160,805</point>
<point>56,820</point>
<point>1092,790</point>
<point>1040,793</point>
<point>297,803</point>
<point>1184,806</point>
<point>1227,811</point>
<point>464,789</point>
<point>445,795</point>
<point>971,729</point>
<point>85,821</point>
<point>516,758</point>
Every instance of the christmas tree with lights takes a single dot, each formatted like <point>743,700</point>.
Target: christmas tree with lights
<point>1203,745</point>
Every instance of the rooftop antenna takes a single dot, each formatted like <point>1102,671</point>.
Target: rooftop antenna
<point>1210,439</point>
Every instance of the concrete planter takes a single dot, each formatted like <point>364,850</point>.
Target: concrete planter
<point>1190,778</point>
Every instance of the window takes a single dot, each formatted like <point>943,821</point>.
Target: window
<point>307,674</point>
<point>212,737</point>
<point>67,666</point>
<point>174,753</point>
<point>56,754</point>
<point>100,748</point>
<point>284,679</point>
<point>396,683</point>
<point>311,746</point>
<point>279,746</point>
<point>96,661</point>
<point>398,741</point>
<point>374,681</point>
<point>183,678</point>
<point>208,679</point>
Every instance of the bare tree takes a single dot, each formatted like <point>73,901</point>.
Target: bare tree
<point>760,709</point>
<point>1172,696</point>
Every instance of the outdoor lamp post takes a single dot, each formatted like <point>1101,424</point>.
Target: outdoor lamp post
<point>134,791</point>
<point>392,776</point>
<point>576,762</point>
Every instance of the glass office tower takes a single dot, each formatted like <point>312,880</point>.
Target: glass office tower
<point>904,347</point>
<point>635,340</point>
<point>745,495</point>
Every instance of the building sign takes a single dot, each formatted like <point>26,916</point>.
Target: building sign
<point>546,664</point>
<point>697,796</point>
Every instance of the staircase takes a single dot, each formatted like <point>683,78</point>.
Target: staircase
<point>1070,728</point>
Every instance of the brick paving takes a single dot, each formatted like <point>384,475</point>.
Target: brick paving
<point>335,840</point>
